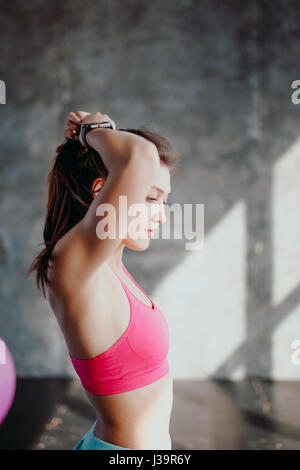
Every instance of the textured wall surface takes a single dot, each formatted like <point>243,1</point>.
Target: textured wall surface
<point>214,78</point>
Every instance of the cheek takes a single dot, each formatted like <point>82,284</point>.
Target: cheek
<point>146,216</point>
<point>150,211</point>
<point>153,210</point>
<point>141,222</point>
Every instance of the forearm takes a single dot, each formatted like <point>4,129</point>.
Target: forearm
<point>116,147</point>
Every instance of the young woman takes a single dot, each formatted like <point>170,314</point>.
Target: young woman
<point>117,338</point>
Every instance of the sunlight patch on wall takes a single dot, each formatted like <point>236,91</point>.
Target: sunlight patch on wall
<point>286,257</point>
<point>203,300</point>
<point>286,223</point>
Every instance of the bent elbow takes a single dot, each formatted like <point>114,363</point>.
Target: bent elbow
<point>147,154</point>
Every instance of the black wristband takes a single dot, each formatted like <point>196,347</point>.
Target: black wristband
<point>88,127</point>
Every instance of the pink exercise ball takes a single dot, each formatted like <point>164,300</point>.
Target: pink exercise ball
<point>7,380</point>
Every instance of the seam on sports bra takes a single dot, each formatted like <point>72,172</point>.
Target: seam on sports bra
<point>153,304</point>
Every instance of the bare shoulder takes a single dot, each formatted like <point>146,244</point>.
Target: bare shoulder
<point>92,316</point>
<point>67,269</point>
<point>70,289</point>
<point>81,307</point>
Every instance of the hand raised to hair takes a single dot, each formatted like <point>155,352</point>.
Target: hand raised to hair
<point>73,124</point>
<point>93,119</point>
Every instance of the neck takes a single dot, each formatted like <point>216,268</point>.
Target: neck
<point>115,260</point>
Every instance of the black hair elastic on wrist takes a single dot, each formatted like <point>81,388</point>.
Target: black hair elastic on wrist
<point>85,128</point>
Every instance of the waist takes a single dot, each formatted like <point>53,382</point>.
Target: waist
<point>147,436</point>
<point>141,412</point>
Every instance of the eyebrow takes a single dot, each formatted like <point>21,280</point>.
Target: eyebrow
<point>160,190</point>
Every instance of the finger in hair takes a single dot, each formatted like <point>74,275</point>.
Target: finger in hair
<point>71,125</point>
<point>72,117</point>
<point>68,133</point>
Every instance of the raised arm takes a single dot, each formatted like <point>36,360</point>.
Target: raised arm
<point>132,162</point>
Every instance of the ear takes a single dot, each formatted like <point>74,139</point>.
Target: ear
<point>97,185</point>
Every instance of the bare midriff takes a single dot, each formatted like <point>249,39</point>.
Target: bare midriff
<point>138,419</point>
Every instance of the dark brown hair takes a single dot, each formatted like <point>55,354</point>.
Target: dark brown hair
<point>70,191</point>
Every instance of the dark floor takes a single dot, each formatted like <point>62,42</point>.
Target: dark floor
<point>254,414</point>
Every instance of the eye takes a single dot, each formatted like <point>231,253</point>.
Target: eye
<point>153,199</point>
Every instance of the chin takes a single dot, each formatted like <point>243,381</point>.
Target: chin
<point>138,244</point>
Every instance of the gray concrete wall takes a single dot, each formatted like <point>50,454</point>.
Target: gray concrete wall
<point>213,77</point>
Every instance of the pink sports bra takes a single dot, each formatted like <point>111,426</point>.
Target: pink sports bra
<point>136,359</point>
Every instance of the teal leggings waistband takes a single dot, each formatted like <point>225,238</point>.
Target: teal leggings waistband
<point>91,442</point>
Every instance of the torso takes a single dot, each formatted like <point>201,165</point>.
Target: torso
<point>137,419</point>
